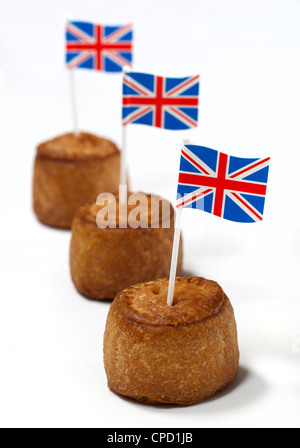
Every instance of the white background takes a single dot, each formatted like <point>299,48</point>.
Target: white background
<point>247,52</point>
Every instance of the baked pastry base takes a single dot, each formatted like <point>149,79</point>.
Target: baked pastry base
<point>179,355</point>
<point>105,261</point>
<point>69,171</point>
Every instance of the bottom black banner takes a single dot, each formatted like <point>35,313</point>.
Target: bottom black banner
<point>151,437</point>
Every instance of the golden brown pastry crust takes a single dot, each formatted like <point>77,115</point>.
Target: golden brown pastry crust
<point>70,171</point>
<point>105,261</point>
<point>182,354</point>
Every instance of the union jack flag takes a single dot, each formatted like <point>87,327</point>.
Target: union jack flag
<point>169,103</point>
<point>97,47</point>
<point>229,187</point>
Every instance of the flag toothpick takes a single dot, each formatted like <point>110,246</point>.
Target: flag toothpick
<point>175,252</point>
<point>74,103</point>
<point>123,165</point>
<point>92,46</point>
<point>166,103</point>
<point>229,187</point>
<point>73,92</point>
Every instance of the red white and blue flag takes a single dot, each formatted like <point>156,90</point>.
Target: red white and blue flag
<point>230,187</point>
<point>168,103</point>
<point>97,47</point>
